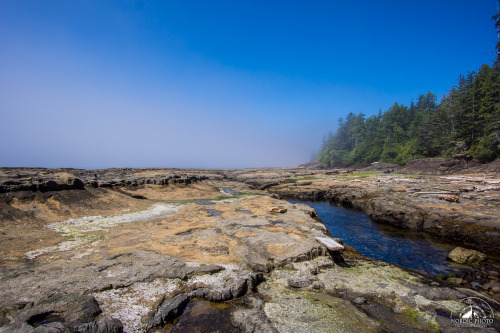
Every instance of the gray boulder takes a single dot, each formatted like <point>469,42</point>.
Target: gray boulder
<point>168,311</point>
<point>299,281</point>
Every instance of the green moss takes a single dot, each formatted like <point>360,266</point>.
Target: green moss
<point>294,180</point>
<point>220,305</point>
<point>357,175</point>
<point>425,217</point>
<point>329,309</point>
<point>367,198</point>
<point>433,324</point>
<point>241,195</point>
<point>412,314</point>
<point>4,311</point>
<point>182,202</point>
<point>410,176</point>
<point>366,174</point>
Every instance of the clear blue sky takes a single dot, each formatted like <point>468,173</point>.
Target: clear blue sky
<point>95,84</point>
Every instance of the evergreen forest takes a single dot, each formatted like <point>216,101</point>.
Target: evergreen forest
<point>465,121</point>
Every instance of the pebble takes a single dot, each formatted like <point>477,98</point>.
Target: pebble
<point>318,285</point>
<point>397,309</point>
<point>486,286</point>
<point>359,300</point>
<point>475,284</point>
<point>494,273</point>
<point>313,270</point>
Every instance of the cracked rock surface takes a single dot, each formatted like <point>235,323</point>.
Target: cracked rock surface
<point>134,249</point>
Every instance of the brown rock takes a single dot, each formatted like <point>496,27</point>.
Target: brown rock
<point>277,210</point>
<point>450,198</point>
<point>465,256</point>
<point>494,273</point>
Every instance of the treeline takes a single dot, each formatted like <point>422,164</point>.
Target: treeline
<point>467,120</point>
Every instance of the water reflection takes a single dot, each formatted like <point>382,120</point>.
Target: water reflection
<point>203,316</point>
<point>411,249</point>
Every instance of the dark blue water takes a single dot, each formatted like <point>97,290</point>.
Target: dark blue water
<point>415,250</point>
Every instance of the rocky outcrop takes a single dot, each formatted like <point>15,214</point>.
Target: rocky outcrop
<point>470,219</point>
<point>50,180</point>
<point>252,318</point>
<point>63,312</point>
<point>168,311</point>
<point>368,296</point>
<point>440,165</point>
<point>41,185</point>
<point>237,286</point>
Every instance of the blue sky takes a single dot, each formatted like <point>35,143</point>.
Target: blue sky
<point>217,84</point>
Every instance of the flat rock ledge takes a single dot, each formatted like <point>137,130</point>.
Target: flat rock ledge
<point>142,283</point>
<point>120,269</point>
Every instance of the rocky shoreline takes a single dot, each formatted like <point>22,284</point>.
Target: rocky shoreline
<point>137,249</point>
<point>463,210</point>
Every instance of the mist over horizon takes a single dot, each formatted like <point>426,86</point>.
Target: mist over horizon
<point>96,85</point>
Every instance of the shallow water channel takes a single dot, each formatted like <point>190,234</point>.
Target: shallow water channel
<point>411,249</point>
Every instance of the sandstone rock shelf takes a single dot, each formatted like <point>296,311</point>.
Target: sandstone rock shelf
<point>133,247</point>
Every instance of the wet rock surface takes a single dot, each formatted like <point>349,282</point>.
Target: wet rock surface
<point>132,250</point>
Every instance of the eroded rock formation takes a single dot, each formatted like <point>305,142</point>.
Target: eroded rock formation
<point>133,248</point>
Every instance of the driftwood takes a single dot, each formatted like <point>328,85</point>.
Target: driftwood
<point>487,188</point>
<point>473,179</point>
<point>329,243</point>
<point>451,193</point>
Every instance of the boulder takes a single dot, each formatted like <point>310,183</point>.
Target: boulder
<point>169,310</point>
<point>75,184</point>
<point>69,307</point>
<point>466,256</point>
<point>252,317</point>
<point>62,312</point>
<point>299,281</point>
<point>318,285</point>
